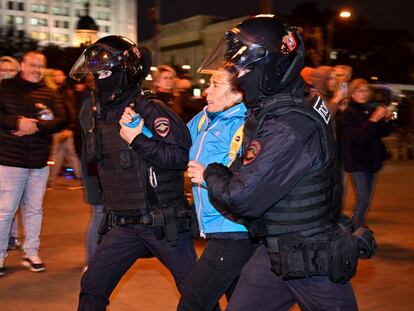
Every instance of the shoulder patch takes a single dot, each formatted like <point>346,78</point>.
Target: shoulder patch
<point>162,126</point>
<point>252,152</point>
<point>321,108</point>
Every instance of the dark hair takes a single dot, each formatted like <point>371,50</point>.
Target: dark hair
<point>233,78</point>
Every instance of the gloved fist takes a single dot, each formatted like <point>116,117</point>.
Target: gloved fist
<point>217,169</point>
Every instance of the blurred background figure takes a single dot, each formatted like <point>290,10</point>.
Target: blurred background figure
<point>63,142</point>
<point>307,76</point>
<point>9,67</point>
<point>343,73</point>
<point>405,123</point>
<point>363,149</point>
<point>92,187</point>
<point>164,85</point>
<point>188,106</point>
<point>326,85</point>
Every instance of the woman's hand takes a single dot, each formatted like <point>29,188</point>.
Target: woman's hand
<point>195,172</point>
<point>380,113</point>
<point>129,133</point>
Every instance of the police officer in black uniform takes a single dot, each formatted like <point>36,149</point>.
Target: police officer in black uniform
<point>284,187</point>
<point>142,181</point>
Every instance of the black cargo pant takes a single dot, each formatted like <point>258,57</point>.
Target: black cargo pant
<point>259,288</point>
<point>118,251</point>
<point>216,271</point>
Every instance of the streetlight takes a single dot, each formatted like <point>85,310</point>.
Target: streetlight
<point>342,14</point>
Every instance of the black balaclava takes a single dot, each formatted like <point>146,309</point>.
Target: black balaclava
<point>110,88</point>
<point>250,84</point>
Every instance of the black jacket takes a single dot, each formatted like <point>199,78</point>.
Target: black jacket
<point>19,98</point>
<point>71,107</point>
<point>362,147</point>
<point>93,189</point>
<point>283,150</point>
<point>166,150</point>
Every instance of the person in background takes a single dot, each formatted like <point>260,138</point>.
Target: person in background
<point>363,150</point>
<point>325,83</point>
<point>29,113</point>
<point>307,74</point>
<point>9,67</point>
<point>92,186</point>
<point>164,86</point>
<point>217,134</point>
<point>63,142</point>
<point>343,73</point>
<point>188,107</point>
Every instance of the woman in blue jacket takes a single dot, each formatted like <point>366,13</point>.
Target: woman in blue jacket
<point>217,135</point>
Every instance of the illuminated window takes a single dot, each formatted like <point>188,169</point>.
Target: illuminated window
<point>39,35</point>
<point>103,16</point>
<point>17,20</point>
<point>59,37</point>
<point>60,10</point>
<point>103,3</point>
<point>38,8</point>
<point>38,21</point>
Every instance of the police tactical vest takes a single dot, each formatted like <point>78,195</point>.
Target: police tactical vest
<point>129,183</point>
<point>311,202</point>
<point>121,170</point>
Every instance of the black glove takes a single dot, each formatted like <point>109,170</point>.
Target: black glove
<point>216,169</point>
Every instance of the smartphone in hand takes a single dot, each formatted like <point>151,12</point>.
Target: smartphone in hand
<point>343,88</point>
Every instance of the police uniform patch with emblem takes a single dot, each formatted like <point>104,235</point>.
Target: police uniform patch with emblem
<point>162,126</point>
<point>252,152</point>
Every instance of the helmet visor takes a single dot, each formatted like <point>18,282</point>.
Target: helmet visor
<point>96,58</point>
<point>233,51</point>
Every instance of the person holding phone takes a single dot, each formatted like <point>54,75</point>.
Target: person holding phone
<point>363,151</point>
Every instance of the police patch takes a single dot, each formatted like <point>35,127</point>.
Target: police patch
<point>162,126</point>
<point>289,43</point>
<point>252,152</point>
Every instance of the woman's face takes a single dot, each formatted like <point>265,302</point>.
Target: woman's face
<point>166,82</point>
<point>332,82</point>
<point>220,94</point>
<point>361,94</point>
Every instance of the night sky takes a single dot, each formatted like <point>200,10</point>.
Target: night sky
<point>384,14</point>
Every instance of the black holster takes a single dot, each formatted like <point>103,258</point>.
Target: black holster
<point>366,241</point>
<point>173,218</point>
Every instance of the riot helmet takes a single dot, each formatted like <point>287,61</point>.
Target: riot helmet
<point>116,63</point>
<point>265,54</point>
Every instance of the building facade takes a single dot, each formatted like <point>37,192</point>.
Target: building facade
<point>188,41</point>
<point>55,21</point>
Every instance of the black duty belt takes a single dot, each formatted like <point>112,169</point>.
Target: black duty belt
<point>122,219</point>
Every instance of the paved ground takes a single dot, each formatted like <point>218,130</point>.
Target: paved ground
<point>385,283</point>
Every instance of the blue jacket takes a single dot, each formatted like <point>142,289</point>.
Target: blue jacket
<point>219,141</point>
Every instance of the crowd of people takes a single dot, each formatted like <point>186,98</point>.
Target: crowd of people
<point>267,157</point>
